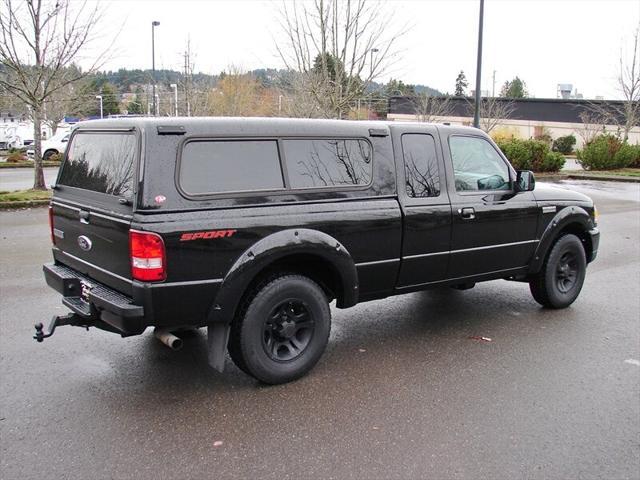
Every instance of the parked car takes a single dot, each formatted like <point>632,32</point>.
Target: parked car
<point>55,145</point>
<point>13,135</point>
<point>251,227</point>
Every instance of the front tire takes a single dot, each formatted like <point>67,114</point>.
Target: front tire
<point>559,282</point>
<point>48,154</point>
<point>281,330</point>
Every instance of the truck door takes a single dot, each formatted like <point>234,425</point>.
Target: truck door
<point>425,205</point>
<point>493,228</point>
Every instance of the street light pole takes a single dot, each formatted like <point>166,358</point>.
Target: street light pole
<point>154,24</point>
<point>373,50</point>
<point>99,97</point>
<point>175,96</point>
<point>476,113</point>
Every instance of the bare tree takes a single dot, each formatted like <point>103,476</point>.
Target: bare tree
<point>624,116</point>
<point>430,108</point>
<point>629,85</point>
<point>72,99</point>
<point>593,123</point>
<point>40,39</point>
<point>492,111</point>
<point>338,47</point>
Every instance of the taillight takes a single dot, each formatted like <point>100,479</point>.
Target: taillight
<point>53,238</point>
<point>147,254</point>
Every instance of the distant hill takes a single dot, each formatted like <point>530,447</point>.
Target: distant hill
<point>126,80</point>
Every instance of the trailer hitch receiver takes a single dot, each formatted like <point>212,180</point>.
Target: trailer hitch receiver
<point>58,321</point>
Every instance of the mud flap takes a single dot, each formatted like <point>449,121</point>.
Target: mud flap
<point>217,339</point>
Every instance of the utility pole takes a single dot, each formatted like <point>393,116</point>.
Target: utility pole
<point>188,69</point>
<point>154,24</point>
<point>476,113</point>
<point>175,97</point>
<point>493,90</point>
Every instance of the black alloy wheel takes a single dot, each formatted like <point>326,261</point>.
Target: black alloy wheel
<point>567,272</point>
<point>288,331</point>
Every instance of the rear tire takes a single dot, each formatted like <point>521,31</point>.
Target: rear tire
<point>560,280</point>
<point>281,329</point>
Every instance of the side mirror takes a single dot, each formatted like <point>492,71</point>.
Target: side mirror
<point>525,181</point>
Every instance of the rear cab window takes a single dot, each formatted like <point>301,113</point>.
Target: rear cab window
<point>320,163</point>
<point>222,166</point>
<point>422,177</point>
<point>101,162</point>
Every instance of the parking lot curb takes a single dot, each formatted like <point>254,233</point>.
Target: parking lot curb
<point>608,178</point>
<point>586,176</point>
<point>19,205</point>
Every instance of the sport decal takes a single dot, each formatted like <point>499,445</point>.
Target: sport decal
<point>186,237</point>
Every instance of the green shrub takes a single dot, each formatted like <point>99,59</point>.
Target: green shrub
<point>531,155</point>
<point>517,153</point>
<point>553,162</point>
<point>545,137</point>
<point>635,162</point>
<point>564,144</point>
<point>606,152</point>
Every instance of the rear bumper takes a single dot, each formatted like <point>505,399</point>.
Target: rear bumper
<point>94,301</point>
<point>594,234</point>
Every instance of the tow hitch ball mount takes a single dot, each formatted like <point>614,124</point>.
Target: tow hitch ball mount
<point>58,321</point>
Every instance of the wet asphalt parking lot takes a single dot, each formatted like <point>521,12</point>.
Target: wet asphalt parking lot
<point>402,391</point>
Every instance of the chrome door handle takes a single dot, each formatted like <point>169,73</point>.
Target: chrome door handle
<point>467,213</point>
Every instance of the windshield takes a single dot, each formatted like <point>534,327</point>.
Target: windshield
<point>100,161</point>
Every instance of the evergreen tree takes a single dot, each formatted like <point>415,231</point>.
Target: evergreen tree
<point>135,106</point>
<point>461,85</point>
<point>110,103</point>
<point>515,88</point>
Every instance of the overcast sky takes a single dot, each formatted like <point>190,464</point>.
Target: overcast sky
<point>544,42</point>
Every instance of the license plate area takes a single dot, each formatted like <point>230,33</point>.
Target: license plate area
<point>85,289</point>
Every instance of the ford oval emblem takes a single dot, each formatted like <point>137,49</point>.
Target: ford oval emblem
<point>84,242</point>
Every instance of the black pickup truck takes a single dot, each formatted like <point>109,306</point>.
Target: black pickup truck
<point>251,227</point>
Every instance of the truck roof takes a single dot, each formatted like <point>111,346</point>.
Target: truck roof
<point>261,125</point>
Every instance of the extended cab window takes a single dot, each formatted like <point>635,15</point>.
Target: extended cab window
<point>101,162</point>
<point>420,165</point>
<point>477,165</point>
<point>217,166</point>
<point>313,163</point>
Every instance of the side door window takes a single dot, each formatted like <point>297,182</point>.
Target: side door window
<point>477,165</point>
<point>422,178</point>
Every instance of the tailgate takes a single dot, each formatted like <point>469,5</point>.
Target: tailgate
<point>93,243</point>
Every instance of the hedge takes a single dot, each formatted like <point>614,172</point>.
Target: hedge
<point>531,155</point>
<point>608,152</point>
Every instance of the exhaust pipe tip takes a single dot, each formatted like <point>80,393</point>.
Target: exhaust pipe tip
<point>168,338</point>
<point>176,344</point>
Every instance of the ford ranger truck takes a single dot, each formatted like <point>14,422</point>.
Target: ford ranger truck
<point>252,227</point>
